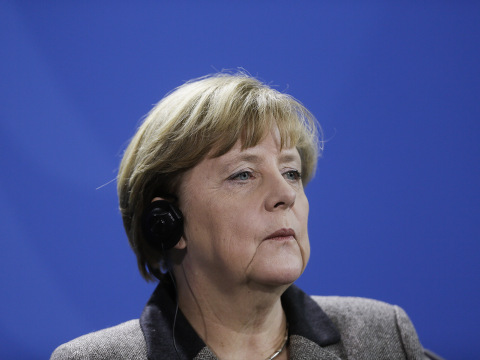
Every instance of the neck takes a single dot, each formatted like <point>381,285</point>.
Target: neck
<point>240,322</point>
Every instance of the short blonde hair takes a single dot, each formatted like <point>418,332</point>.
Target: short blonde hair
<point>205,116</point>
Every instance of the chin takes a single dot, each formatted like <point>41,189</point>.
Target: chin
<point>277,264</point>
<point>278,272</point>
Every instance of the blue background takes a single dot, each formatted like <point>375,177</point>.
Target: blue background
<point>395,202</point>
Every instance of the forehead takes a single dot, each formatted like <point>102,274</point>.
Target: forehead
<point>269,147</point>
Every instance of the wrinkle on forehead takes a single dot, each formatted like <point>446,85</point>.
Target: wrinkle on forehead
<point>283,139</point>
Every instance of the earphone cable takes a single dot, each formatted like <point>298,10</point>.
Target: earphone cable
<point>169,270</point>
<point>176,312</point>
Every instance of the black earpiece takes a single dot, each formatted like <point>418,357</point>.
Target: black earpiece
<point>162,225</point>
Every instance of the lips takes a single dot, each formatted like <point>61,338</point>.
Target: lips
<point>281,234</point>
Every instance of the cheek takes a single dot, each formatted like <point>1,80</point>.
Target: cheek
<point>306,252</point>
<point>302,209</point>
<point>303,220</point>
<point>233,227</point>
<point>213,229</point>
<point>199,220</point>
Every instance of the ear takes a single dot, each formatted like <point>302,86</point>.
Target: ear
<point>182,244</point>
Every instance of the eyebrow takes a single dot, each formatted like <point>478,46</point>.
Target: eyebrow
<point>256,159</point>
<point>242,157</point>
<point>289,157</point>
<point>247,158</point>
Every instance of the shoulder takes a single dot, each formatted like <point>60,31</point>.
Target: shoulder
<point>124,341</point>
<point>355,308</point>
<point>371,324</point>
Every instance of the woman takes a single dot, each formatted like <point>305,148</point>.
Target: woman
<point>211,192</point>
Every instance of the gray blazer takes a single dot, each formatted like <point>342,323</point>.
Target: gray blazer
<point>329,328</point>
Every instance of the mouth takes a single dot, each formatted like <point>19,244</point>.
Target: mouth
<point>282,234</point>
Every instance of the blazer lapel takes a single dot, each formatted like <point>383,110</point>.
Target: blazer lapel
<point>312,334</point>
<point>303,349</point>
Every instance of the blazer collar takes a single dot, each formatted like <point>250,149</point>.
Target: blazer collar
<point>307,319</point>
<point>166,341</point>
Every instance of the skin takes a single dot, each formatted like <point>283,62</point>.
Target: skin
<point>230,272</point>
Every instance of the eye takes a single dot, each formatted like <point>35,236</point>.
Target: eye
<point>292,175</point>
<point>241,176</point>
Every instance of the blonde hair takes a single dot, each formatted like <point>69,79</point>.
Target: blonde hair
<point>205,116</point>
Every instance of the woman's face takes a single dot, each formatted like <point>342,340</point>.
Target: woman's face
<point>246,216</point>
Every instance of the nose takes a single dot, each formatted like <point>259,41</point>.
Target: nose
<point>280,193</point>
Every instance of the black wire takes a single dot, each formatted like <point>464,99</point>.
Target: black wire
<point>176,312</point>
<point>169,270</point>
